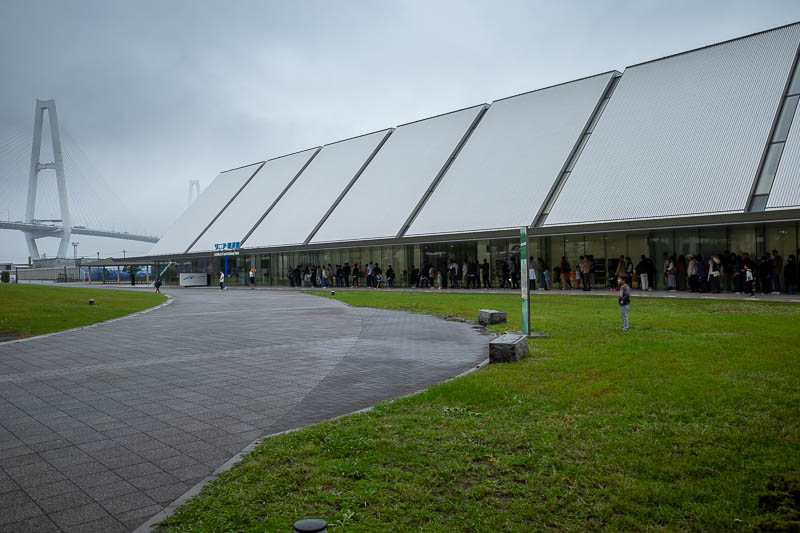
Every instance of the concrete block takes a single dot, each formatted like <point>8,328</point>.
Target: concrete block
<point>508,348</point>
<point>491,316</point>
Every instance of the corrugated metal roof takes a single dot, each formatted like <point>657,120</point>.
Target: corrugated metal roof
<point>293,219</point>
<point>786,187</point>
<point>512,159</point>
<point>391,186</point>
<point>683,135</point>
<point>249,206</point>
<point>203,210</point>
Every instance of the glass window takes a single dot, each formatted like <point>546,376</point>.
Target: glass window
<point>759,203</point>
<point>638,245</point>
<point>713,241</point>
<point>573,248</point>
<point>770,168</point>
<point>785,120</point>
<point>782,238</point>
<point>742,240</point>
<point>687,242</point>
<point>794,87</point>
<point>615,247</point>
<point>595,246</point>
<point>556,251</point>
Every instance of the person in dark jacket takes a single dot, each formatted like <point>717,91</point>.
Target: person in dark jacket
<point>790,275</point>
<point>643,271</point>
<point>487,284</point>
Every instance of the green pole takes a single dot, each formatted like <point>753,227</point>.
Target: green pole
<point>523,271</point>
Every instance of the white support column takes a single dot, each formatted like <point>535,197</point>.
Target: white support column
<point>33,177</point>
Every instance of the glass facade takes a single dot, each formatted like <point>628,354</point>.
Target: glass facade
<point>272,269</point>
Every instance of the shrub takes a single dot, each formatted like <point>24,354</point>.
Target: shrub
<point>5,276</point>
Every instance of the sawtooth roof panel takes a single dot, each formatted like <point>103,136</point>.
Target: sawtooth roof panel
<point>245,211</point>
<point>785,191</point>
<point>682,135</point>
<point>389,189</point>
<point>293,219</point>
<point>202,211</point>
<point>512,159</point>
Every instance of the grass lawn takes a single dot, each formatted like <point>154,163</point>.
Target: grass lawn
<point>676,425</point>
<point>27,310</point>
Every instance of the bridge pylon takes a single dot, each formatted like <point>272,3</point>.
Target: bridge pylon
<point>37,166</point>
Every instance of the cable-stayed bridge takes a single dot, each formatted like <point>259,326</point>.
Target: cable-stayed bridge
<point>49,188</point>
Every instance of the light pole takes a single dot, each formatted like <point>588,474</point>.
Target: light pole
<point>75,252</point>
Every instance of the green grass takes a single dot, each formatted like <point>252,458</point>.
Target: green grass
<point>27,310</point>
<point>676,425</point>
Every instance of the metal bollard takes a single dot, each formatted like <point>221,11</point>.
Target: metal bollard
<point>91,301</point>
<point>311,525</point>
<point>333,293</point>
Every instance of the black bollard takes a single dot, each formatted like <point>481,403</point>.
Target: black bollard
<point>311,525</point>
<point>91,301</point>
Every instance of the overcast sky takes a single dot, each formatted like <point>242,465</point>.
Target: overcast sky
<point>157,93</point>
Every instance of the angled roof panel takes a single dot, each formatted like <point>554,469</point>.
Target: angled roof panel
<point>512,159</point>
<point>293,219</point>
<point>785,191</point>
<point>255,199</point>
<point>199,215</point>
<point>682,135</point>
<point>392,185</point>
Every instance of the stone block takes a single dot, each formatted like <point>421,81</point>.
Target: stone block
<point>491,316</point>
<point>508,348</point>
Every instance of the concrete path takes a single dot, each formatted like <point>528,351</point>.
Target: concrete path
<point>102,427</point>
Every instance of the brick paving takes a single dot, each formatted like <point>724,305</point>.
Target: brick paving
<point>101,428</point>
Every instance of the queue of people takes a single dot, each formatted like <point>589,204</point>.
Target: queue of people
<point>726,271</point>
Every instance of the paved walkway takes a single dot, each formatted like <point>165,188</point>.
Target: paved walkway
<point>101,428</point>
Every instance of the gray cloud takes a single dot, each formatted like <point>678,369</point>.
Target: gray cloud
<point>157,93</point>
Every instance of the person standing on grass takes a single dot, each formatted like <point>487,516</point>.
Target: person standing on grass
<point>624,300</point>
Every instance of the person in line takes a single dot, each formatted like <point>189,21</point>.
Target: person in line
<point>777,270</point>
<point>749,280</point>
<point>714,274</point>
<point>586,273</point>
<point>252,278</point>
<point>452,270</point>
<point>545,283</point>
<point>790,275</point>
<point>564,273</point>
<point>390,277</point>
<point>630,270</point>
<point>531,274</point>
<point>505,274</point>
<point>671,271</point>
<point>512,272</point>
<point>221,280</point>
<point>377,276</point>
<point>465,274</point>
<point>356,275</point>
<point>621,270</point>
<point>578,272</point>
<point>641,271</point>
<point>487,284</point>
<point>624,300</point>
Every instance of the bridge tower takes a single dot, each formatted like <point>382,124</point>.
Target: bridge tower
<point>37,166</point>
<point>194,187</point>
